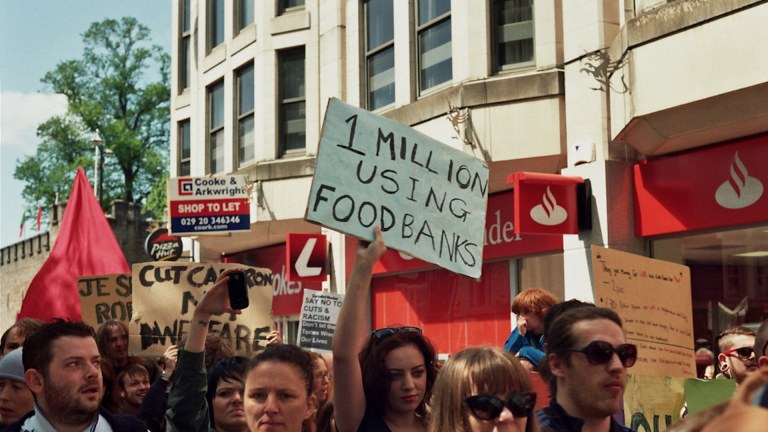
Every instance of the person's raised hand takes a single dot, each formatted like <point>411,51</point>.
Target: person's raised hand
<point>274,338</point>
<point>370,252</point>
<point>216,300</point>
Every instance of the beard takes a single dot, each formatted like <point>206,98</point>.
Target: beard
<point>65,405</point>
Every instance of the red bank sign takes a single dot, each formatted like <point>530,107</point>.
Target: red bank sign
<point>545,203</point>
<point>718,186</point>
<point>306,256</point>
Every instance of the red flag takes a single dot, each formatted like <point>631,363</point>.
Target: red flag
<point>39,215</point>
<point>85,246</point>
<point>21,228</point>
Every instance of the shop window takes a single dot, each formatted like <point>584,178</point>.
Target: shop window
<point>454,311</point>
<point>380,53</point>
<point>512,34</point>
<point>185,149</point>
<point>433,35</point>
<point>216,127</point>
<point>292,124</point>
<point>729,277</point>
<point>245,114</point>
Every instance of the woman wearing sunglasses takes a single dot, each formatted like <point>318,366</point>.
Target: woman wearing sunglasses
<point>491,387</point>
<point>384,378</point>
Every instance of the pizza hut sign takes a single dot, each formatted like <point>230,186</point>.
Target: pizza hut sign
<point>162,246</point>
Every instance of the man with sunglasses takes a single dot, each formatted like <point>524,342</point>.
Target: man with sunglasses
<point>586,366</point>
<point>737,358</point>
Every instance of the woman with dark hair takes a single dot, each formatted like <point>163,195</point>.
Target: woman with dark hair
<point>384,378</point>
<point>279,394</point>
<point>483,389</point>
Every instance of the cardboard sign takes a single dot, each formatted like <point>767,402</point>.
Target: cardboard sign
<point>652,403</point>
<point>306,257</point>
<point>653,299</point>
<point>165,295</point>
<point>105,297</point>
<point>428,198</point>
<point>317,322</point>
<point>207,205</point>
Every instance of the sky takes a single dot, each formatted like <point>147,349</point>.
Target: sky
<point>36,35</point>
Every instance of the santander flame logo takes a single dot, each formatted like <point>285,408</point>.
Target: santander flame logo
<point>548,212</point>
<point>740,190</point>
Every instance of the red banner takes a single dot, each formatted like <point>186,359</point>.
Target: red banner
<point>714,187</point>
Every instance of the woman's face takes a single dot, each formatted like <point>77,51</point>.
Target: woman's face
<point>15,400</point>
<point>505,422</point>
<point>408,379</point>
<point>322,381</point>
<point>276,398</point>
<point>228,412</point>
<point>534,320</point>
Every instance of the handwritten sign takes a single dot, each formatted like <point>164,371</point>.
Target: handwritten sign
<point>428,198</point>
<point>105,297</point>
<point>652,403</point>
<point>165,295</point>
<point>653,299</point>
<point>317,322</point>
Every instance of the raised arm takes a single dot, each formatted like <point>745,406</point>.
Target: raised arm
<point>187,406</point>
<point>352,332</point>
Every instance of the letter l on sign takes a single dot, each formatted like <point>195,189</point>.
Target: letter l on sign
<point>306,256</point>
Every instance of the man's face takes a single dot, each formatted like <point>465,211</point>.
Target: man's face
<point>136,387</point>
<point>586,390</point>
<point>117,345</point>
<point>733,364</point>
<point>71,391</point>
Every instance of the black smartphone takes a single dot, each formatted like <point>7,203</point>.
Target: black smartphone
<point>238,291</point>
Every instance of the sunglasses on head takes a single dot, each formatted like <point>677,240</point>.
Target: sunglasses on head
<point>601,352</point>
<point>743,352</point>
<point>486,407</point>
<point>386,332</point>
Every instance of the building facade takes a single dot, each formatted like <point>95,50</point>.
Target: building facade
<point>594,89</point>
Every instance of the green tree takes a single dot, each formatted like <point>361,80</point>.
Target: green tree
<point>119,90</point>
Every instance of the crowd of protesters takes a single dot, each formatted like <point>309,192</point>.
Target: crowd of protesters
<point>67,376</point>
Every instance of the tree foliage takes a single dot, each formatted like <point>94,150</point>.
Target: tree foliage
<point>120,91</point>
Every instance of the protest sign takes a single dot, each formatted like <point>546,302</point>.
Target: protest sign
<point>428,198</point>
<point>105,297</point>
<point>317,322</point>
<point>651,403</point>
<point>702,394</point>
<point>165,295</point>
<point>653,299</point>
<point>209,205</point>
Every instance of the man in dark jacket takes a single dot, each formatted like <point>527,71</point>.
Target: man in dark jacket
<point>62,368</point>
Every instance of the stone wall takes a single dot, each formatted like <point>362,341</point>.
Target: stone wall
<point>20,262</point>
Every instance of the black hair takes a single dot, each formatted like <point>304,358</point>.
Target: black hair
<point>227,368</point>
<point>38,345</point>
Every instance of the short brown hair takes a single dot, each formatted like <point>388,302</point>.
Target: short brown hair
<point>533,300</point>
<point>131,370</point>
<point>721,343</point>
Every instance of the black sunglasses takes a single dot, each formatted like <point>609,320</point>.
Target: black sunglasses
<point>601,352</point>
<point>486,407</point>
<point>744,353</point>
<point>386,332</point>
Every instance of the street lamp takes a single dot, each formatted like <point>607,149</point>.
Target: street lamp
<point>98,166</point>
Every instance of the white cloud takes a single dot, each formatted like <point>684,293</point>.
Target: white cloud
<point>21,113</point>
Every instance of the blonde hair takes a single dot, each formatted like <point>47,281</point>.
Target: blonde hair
<point>476,370</point>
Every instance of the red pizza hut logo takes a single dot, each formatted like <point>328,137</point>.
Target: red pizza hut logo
<point>163,247</point>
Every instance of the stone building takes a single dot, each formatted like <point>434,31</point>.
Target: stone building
<point>20,262</point>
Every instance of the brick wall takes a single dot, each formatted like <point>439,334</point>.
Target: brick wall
<point>21,261</point>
